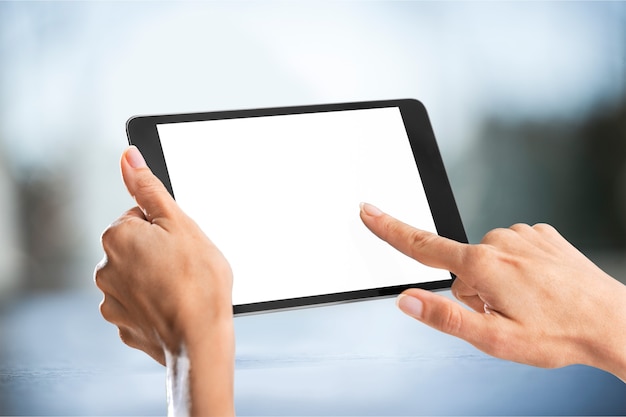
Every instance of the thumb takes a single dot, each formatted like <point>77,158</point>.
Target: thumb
<point>444,315</point>
<point>147,190</point>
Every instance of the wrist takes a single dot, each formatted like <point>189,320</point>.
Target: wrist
<point>211,356</point>
<point>606,348</point>
<point>200,377</point>
<point>207,329</point>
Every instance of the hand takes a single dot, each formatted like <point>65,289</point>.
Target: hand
<point>166,286</point>
<point>536,299</point>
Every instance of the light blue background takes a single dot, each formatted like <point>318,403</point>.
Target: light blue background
<point>71,74</point>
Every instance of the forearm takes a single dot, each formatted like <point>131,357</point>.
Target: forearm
<point>200,377</point>
<point>212,372</point>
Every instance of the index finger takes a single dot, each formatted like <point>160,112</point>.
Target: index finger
<point>425,247</point>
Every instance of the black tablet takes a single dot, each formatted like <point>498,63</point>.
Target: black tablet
<point>278,191</point>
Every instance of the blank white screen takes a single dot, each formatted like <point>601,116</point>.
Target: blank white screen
<point>279,196</point>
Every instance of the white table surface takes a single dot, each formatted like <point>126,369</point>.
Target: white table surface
<point>59,357</point>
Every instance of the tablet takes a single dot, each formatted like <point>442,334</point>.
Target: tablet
<point>278,191</point>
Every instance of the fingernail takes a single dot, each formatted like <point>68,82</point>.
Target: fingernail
<point>134,158</point>
<point>370,210</point>
<point>410,305</point>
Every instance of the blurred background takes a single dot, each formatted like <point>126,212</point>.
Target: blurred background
<point>528,103</point>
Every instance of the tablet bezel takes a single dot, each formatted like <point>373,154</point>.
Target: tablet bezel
<point>142,132</point>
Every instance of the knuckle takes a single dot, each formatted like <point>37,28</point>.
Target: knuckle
<point>459,288</point>
<point>115,237</point>
<point>544,228</point>
<point>454,289</point>
<point>496,235</point>
<point>105,237</point>
<point>477,257</point>
<point>110,236</point>
<point>127,337</point>
<point>420,239</point>
<point>390,227</point>
<point>147,184</point>
<point>105,310</point>
<point>451,321</point>
<point>104,275</point>
<point>150,187</point>
<point>102,264</point>
<point>98,276</point>
<point>520,227</point>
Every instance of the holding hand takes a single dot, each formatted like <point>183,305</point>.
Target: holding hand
<point>536,299</point>
<point>168,288</point>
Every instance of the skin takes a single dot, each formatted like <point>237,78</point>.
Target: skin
<point>167,286</point>
<point>535,298</point>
